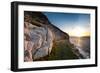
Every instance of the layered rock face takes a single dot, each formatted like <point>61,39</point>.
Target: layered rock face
<point>38,41</point>
<point>40,36</point>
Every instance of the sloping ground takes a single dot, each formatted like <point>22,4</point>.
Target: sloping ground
<point>61,50</point>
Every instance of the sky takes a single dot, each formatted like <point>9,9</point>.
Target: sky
<point>75,24</point>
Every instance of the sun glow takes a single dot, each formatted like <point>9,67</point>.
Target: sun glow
<point>79,32</point>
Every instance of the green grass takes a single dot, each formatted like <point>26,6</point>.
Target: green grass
<point>62,50</point>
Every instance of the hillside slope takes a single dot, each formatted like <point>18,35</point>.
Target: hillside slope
<point>56,44</point>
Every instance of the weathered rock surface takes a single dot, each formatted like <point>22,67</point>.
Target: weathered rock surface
<point>40,20</point>
<point>40,36</point>
<point>39,43</point>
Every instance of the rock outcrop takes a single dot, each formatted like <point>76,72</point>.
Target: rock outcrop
<point>39,19</point>
<point>40,36</point>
